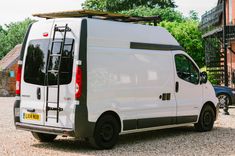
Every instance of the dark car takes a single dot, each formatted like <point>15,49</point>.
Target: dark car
<point>225,94</point>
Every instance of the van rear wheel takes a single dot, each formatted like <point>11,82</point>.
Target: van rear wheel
<point>206,119</point>
<point>42,137</point>
<point>106,133</point>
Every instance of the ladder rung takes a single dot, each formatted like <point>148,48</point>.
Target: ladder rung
<point>62,29</point>
<point>68,44</point>
<point>58,41</point>
<point>52,102</point>
<point>53,71</point>
<point>55,55</point>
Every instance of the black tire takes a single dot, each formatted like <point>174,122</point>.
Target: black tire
<point>206,119</point>
<point>224,99</point>
<point>42,137</point>
<point>106,133</point>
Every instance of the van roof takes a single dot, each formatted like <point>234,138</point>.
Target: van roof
<point>98,15</point>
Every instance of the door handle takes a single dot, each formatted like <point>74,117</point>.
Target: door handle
<point>39,93</point>
<point>31,110</point>
<point>177,87</point>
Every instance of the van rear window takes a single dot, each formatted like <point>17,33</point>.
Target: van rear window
<point>37,61</point>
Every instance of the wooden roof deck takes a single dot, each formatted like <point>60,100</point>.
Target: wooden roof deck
<point>98,15</point>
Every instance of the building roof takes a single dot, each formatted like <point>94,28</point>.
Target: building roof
<point>97,14</point>
<point>10,58</point>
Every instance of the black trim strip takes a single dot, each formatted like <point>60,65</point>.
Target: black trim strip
<point>83,128</point>
<point>150,46</point>
<point>155,122</point>
<point>24,42</point>
<point>186,119</point>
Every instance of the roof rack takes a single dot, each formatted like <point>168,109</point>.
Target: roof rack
<point>98,15</point>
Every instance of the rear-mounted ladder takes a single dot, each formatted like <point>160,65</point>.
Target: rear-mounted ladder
<point>64,30</point>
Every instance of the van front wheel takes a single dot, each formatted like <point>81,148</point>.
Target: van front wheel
<point>42,137</point>
<point>206,119</point>
<point>106,133</point>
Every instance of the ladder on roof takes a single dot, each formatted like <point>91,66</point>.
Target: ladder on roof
<point>59,55</point>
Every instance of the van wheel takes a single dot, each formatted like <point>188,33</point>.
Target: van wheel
<point>206,119</point>
<point>42,137</point>
<point>106,133</point>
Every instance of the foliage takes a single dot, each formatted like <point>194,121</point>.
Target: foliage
<point>188,35</point>
<point>211,77</point>
<point>12,35</point>
<point>166,14</point>
<point>120,5</point>
<point>193,15</point>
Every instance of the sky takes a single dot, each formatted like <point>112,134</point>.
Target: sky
<point>18,10</point>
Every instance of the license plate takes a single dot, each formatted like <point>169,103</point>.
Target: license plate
<point>31,116</point>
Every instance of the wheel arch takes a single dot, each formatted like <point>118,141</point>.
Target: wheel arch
<point>115,115</point>
<point>213,107</point>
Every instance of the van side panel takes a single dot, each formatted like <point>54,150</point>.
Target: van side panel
<point>128,81</point>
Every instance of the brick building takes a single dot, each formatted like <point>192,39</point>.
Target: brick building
<point>8,69</point>
<point>218,26</point>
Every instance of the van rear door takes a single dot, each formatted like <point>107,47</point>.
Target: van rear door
<point>33,73</point>
<point>42,94</point>
<point>60,80</point>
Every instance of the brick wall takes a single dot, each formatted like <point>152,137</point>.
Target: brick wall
<point>7,83</point>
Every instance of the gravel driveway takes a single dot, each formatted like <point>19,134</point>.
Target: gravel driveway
<point>177,141</point>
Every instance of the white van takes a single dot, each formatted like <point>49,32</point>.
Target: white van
<point>96,79</point>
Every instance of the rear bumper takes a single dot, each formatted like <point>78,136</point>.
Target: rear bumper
<point>37,128</point>
<point>44,129</point>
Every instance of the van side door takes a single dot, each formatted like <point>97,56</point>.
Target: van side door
<point>188,89</point>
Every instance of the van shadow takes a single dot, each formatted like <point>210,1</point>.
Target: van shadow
<point>184,140</point>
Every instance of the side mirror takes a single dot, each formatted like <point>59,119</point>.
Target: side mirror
<point>203,77</point>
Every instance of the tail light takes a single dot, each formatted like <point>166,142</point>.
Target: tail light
<point>18,78</point>
<point>78,82</point>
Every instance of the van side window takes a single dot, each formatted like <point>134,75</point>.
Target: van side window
<point>186,69</point>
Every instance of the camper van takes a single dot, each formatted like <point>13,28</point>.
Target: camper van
<point>96,79</point>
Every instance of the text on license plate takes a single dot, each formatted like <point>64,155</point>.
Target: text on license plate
<point>31,116</point>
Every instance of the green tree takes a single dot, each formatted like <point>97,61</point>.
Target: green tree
<point>188,35</point>
<point>12,35</point>
<point>166,14</point>
<point>193,15</point>
<point>120,5</point>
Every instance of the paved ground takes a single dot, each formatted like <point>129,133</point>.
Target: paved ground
<point>177,141</point>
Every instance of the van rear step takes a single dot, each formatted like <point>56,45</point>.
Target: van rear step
<point>43,129</point>
<point>54,109</point>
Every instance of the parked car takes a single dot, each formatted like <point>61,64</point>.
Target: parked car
<point>224,94</point>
